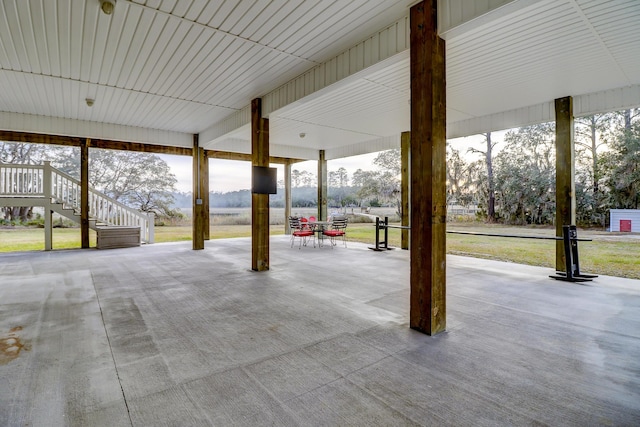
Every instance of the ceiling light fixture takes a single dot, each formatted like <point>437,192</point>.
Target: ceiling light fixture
<point>89,102</point>
<point>302,134</point>
<point>107,6</point>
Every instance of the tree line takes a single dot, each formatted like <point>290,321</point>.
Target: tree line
<point>517,185</point>
<point>510,181</point>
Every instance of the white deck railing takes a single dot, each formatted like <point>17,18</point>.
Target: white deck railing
<point>21,180</point>
<point>50,183</point>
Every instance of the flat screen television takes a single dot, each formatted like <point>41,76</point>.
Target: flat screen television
<point>264,180</point>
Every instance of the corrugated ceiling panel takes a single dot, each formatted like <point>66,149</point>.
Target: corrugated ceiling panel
<point>195,9</point>
<point>365,147</point>
<point>194,79</point>
<point>160,33</point>
<point>180,8</point>
<point>51,37</point>
<point>242,11</point>
<point>131,46</point>
<point>274,15</point>
<point>225,8</point>
<point>452,13</point>
<point>359,26</point>
<point>11,33</point>
<point>505,42</point>
<point>88,46</point>
<point>298,13</point>
<point>181,62</point>
<point>254,16</point>
<point>328,24</point>
<point>147,68</point>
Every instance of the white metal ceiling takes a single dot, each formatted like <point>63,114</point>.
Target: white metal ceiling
<point>184,65</point>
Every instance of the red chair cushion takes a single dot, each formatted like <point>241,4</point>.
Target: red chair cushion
<point>303,233</point>
<point>333,233</point>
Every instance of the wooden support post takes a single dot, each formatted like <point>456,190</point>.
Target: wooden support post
<point>259,202</point>
<point>198,199</point>
<point>565,173</point>
<point>48,217</point>
<point>287,197</point>
<point>204,186</point>
<point>84,193</point>
<point>428,171</point>
<point>322,186</point>
<point>405,146</point>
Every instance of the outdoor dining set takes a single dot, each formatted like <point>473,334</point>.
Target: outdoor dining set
<point>309,230</point>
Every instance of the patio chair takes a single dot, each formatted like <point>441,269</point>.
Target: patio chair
<point>338,230</point>
<point>300,231</point>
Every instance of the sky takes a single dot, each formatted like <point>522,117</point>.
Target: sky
<point>233,175</point>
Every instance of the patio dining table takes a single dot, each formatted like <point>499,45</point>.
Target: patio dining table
<point>319,227</point>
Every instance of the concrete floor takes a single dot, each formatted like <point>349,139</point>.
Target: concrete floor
<point>163,335</point>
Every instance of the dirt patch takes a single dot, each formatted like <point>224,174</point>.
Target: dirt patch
<point>11,345</point>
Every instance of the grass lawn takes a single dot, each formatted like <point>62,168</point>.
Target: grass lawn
<point>32,239</point>
<point>601,256</point>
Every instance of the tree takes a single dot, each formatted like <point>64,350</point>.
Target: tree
<point>461,178</point>
<point>302,178</point>
<point>367,183</point>
<point>525,175</point>
<point>622,164</point>
<point>338,189</point>
<point>140,180</point>
<point>24,154</point>
<point>628,116</point>
<point>490,182</point>
<point>591,134</point>
<point>339,178</point>
<point>389,161</point>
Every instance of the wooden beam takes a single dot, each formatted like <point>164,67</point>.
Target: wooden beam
<point>204,185</point>
<point>108,144</point>
<point>428,171</point>
<point>38,138</point>
<point>227,155</point>
<point>259,202</point>
<point>198,207</point>
<point>565,174</point>
<point>75,141</point>
<point>48,214</point>
<point>322,186</point>
<point>405,147</point>
<point>84,194</point>
<point>287,197</point>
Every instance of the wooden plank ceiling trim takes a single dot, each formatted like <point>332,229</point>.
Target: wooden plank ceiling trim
<point>106,144</point>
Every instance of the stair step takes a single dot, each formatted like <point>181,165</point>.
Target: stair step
<point>114,236</point>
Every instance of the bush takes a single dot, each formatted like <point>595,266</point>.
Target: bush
<point>38,222</point>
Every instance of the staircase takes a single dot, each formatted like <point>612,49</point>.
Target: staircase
<point>116,225</point>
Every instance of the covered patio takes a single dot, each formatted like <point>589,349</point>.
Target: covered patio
<point>192,333</point>
<point>164,335</point>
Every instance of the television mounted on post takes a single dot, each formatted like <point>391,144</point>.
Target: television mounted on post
<point>264,180</point>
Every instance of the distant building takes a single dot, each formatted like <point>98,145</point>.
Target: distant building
<point>625,220</point>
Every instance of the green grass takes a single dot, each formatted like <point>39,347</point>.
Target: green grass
<point>32,239</point>
<point>614,258</point>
